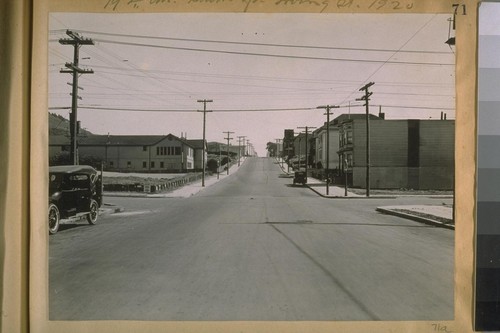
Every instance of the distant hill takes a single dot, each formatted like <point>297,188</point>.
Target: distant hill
<point>59,126</point>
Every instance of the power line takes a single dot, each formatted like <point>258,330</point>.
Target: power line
<point>267,78</point>
<point>273,55</point>
<point>388,60</point>
<point>104,108</point>
<point>260,44</point>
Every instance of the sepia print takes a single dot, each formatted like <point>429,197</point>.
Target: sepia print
<point>251,167</point>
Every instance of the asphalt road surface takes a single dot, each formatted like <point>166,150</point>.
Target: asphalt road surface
<point>252,247</point>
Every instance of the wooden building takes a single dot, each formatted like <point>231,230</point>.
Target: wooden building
<point>412,154</point>
<point>135,153</point>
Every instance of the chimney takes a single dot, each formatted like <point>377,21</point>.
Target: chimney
<point>380,113</point>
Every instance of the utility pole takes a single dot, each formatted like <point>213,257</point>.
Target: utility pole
<point>278,141</point>
<point>366,98</point>
<point>72,68</point>
<point>219,164</point>
<point>307,132</point>
<point>248,147</point>
<point>204,101</point>
<point>288,149</point>
<point>239,147</point>
<point>328,113</point>
<point>300,162</point>
<point>228,138</point>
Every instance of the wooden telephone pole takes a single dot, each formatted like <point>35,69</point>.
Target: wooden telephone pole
<point>328,113</point>
<point>307,128</point>
<point>366,99</point>
<point>228,138</point>
<point>204,101</point>
<point>241,137</point>
<point>72,68</point>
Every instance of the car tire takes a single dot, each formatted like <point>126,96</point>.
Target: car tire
<point>54,218</point>
<point>93,213</point>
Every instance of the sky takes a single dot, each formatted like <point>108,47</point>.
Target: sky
<point>264,72</point>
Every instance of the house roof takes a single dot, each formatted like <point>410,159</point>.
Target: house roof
<point>346,116</point>
<point>72,169</point>
<point>343,117</point>
<point>121,140</point>
<point>196,144</point>
<point>117,140</point>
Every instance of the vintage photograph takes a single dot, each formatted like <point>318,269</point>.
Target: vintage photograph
<point>251,167</point>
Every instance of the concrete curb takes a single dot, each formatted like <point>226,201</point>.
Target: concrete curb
<point>107,209</point>
<point>128,195</point>
<point>349,197</point>
<point>416,218</point>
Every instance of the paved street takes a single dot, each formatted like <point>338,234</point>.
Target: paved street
<point>253,247</point>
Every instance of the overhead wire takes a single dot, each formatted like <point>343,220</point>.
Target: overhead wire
<point>271,55</point>
<point>257,44</point>
<point>388,60</point>
<point>146,73</point>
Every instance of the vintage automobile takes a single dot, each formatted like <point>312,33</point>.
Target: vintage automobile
<point>300,177</point>
<point>74,191</point>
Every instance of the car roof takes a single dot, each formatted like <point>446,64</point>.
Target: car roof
<point>72,169</point>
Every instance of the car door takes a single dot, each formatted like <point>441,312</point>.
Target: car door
<point>81,186</point>
<point>68,196</point>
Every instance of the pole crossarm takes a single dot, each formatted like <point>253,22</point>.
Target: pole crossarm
<point>75,39</point>
<point>73,68</point>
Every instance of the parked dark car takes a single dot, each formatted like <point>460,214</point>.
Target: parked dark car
<point>300,177</point>
<point>74,191</point>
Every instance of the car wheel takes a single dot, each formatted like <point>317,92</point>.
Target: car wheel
<point>54,218</point>
<point>94,212</point>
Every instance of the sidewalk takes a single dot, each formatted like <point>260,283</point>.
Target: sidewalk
<point>181,192</point>
<point>441,216</point>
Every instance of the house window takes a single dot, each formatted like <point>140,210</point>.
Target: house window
<point>349,136</point>
<point>111,163</point>
<point>177,150</point>
<point>152,164</point>
<point>144,148</point>
<point>129,164</point>
<point>144,164</point>
<point>349,160</point>
<point>162,165</point>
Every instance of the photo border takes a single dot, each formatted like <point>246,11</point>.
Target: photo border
<point>465,162</point>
